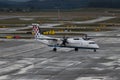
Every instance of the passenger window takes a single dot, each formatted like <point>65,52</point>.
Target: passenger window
<point>91,42</point>
<point>76,39</point>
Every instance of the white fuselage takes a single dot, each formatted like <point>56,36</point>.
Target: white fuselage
<point>72,43</point>
<point>81,43</point>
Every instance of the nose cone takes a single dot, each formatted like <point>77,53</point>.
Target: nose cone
<point>96,46</point>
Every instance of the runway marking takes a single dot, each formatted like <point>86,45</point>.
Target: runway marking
<point>108,40</point>
<point>56,64</point>
<point>111,65</point>
<point>11,68</point>
<point>95,78</point>
<point>98,69</point>
<point>5,77</point>
<point>24,70</point>
<point>99,19</point>
<point>113,57</point>
<point>64,49</point>
<point>3,62</point>
<point>30,61</point>
<point>19,49</point>
<point>31,79</point>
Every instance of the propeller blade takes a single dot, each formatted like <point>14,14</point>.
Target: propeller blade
<point>64,41</point>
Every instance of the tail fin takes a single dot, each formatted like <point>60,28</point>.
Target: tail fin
<point>36,31</point>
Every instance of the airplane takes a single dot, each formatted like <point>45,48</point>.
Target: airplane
<point>65,42</point>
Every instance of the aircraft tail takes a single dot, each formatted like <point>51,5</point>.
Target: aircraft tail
<point>36,31</point>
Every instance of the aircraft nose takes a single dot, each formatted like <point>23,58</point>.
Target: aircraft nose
<point>97,46</point>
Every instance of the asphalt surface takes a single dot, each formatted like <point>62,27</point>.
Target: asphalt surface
<point>31,60</point>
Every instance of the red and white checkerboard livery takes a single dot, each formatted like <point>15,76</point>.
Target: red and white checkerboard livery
<point>36,30</point>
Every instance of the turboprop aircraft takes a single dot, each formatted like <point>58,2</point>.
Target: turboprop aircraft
<point>75,42</point>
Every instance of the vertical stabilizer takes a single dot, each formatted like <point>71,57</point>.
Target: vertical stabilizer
<point>36,31</point>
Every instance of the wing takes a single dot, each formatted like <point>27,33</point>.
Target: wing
<point>52,39</point>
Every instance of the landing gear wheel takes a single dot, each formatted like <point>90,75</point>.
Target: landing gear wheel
<point>76,49</point>
<point>94,50</point>
<point>54,49</point>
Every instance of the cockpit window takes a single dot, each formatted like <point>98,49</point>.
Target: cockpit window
<point>91,42</point>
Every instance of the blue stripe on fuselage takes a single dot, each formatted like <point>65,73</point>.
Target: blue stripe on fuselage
<point>72,47</point>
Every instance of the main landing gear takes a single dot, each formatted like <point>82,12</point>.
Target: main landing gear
<point>54,49</point>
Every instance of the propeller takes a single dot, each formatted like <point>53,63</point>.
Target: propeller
<point>65,41</point>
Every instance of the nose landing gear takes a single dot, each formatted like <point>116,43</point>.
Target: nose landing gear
<point>76,49</point>
<point>94,50</point>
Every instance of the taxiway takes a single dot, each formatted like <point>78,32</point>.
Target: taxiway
<point>31,60</point>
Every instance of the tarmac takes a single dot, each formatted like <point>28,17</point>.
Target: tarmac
<point>27,59</point>
<point>30,60</point>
